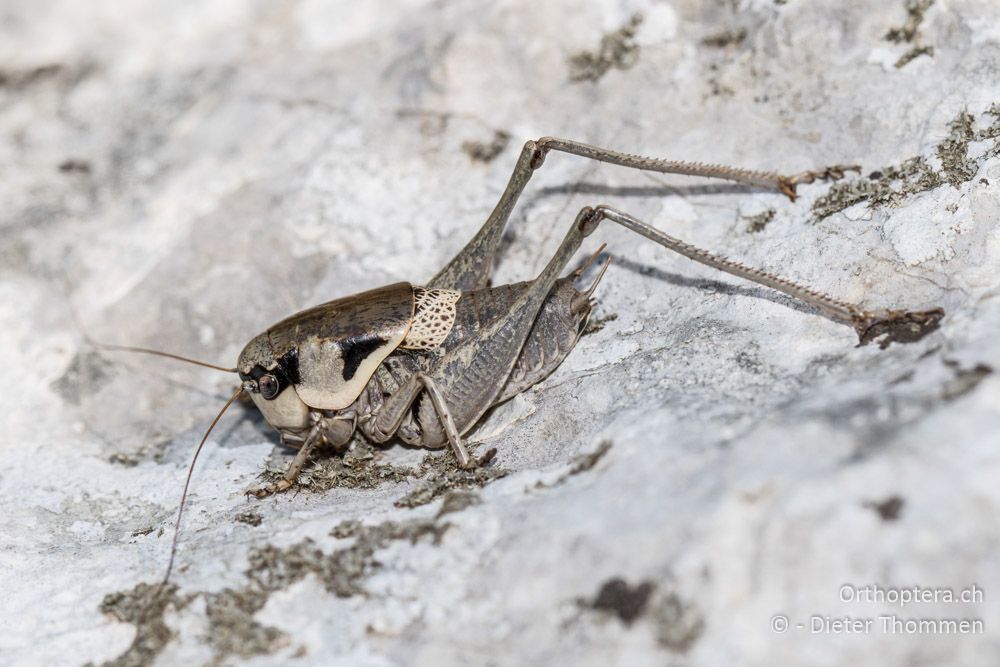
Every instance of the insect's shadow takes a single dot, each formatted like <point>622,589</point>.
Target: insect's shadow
<point>660,191</point>
<point>717,286</point>
<point>602,189</point>
<point>712,285</point>
<point>251,415</point>
<point>245,415</point>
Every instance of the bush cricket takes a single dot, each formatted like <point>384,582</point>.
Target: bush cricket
<point>423,363</point>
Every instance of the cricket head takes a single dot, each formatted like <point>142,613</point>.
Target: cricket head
<point>270,381</point>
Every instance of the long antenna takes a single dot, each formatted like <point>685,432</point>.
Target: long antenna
<point>187,482</point>
<point>131,348</point>
<point>158,353</point>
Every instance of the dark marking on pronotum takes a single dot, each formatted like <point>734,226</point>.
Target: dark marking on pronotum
<point>289,365</point>
<point>356,350</point>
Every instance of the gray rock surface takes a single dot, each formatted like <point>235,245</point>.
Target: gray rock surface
<point>712,458</point>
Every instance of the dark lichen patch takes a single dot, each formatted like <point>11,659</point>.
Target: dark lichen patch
<point>232,628</point>
<point>715,86</point>
<point>914,53</point>
<point>915,10</point>
<point>618,598</point>
<point>617,50</point>
<point>585,462</point>
<point>84,376</point>
<point>153,451</point>
<point>758,222</point>
<point>898,326</point>
<point>749,360</point>
<point>579,464</point>
<point>440,474</point>
<point>480,151</point>
<point>894,184</point>
<point>346,528</point>
<point>127,459</point>
<point>725,38</point>
<point>885,187</point>
<point>274,569</point>
<point>18,79</point>
<point>143,607</point>
<point>74,166</point>
<point>678,624</point>
<point>251,517</point>
<point>907,33</point>
<point>142,532</point>
<point>596,324</point>
<point>230,612</point>
<point>888,509</point>
<point>437,474</point>
<point>902,378</point>
<point>965,380</point>
<point>358,469</point>
<point>343,571</point>
<point>956,166</point>
<point>992,131</point>
<point>457,501</point>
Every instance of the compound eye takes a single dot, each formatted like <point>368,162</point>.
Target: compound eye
<point>268,386</point>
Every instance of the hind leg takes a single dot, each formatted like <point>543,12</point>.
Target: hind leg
<point>898,325</point>
<point>472,267</point>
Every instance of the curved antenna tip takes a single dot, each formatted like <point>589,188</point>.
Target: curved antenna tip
<point>187,483</point>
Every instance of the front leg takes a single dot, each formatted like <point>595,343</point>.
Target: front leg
<point>334,430</point>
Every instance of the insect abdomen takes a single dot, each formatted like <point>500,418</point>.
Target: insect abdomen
<point>552,336</point>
